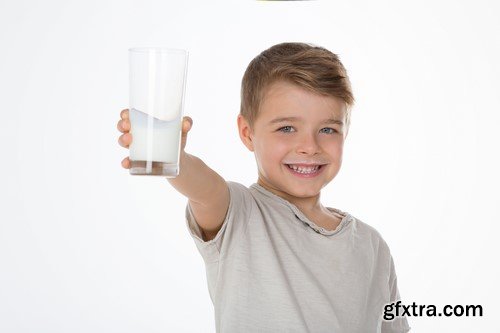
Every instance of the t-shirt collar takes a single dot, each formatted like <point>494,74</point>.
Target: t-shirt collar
<point>298,213</point>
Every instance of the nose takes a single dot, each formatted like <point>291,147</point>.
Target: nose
<point>308,144</point>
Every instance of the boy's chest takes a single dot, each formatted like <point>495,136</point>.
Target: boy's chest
<point>310,286</point>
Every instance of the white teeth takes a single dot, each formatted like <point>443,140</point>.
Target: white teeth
<point>303,170</point>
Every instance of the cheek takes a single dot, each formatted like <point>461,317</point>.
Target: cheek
<point>272,152</point>
<point>338,149</point>
<point>277,150</point>
<point>272,146</point>
<point>335,147</point>
<point>339,154</point>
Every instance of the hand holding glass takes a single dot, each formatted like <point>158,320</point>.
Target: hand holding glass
<point>157,87</point>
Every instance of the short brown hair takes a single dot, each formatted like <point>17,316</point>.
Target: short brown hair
<point>312,67</point>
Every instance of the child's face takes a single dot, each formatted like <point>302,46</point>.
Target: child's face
<point>308,139</point>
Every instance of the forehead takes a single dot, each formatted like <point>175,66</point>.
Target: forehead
<point>285,99</point>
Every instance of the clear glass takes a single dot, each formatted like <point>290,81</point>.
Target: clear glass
<point>157,85</point>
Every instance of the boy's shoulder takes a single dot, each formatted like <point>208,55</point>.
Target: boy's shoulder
<point>369,233</point>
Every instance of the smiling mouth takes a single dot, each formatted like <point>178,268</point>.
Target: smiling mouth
<point>305,171</point>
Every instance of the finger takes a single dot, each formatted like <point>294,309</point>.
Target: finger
<point>123,125</point>
<point>125,139</point>
<point>188,119</point>
<point>126,163</point>
<point>124,114</point>
<point>187,123</point>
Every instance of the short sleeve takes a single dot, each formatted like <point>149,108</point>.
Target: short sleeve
<point>399,324</point>
<point>235,222</point>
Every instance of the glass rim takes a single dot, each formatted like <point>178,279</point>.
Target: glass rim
<point>157,49</point>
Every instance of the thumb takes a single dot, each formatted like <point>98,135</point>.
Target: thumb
<point>187,123</point>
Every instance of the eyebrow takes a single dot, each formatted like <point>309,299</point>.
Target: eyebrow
<point>283,119</point>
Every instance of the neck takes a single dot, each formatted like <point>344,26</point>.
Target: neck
<point>307,205</point>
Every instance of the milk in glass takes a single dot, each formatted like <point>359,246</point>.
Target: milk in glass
<point>154,140</point>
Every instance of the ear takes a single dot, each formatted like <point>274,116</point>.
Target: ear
<point>245,132</point>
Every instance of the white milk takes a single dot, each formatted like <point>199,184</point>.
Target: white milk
<point>153,139</point>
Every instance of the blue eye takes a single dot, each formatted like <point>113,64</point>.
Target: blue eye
<point>333,130</point>
<point>281,129</point>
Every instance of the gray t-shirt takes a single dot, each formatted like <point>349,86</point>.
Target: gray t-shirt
<point>271,269</point>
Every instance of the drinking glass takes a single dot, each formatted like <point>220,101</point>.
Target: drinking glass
<point>157,85</point>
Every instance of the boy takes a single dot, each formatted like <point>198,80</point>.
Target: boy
<point>277,260</point>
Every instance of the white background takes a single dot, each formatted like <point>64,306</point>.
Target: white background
<point>85,247</point>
